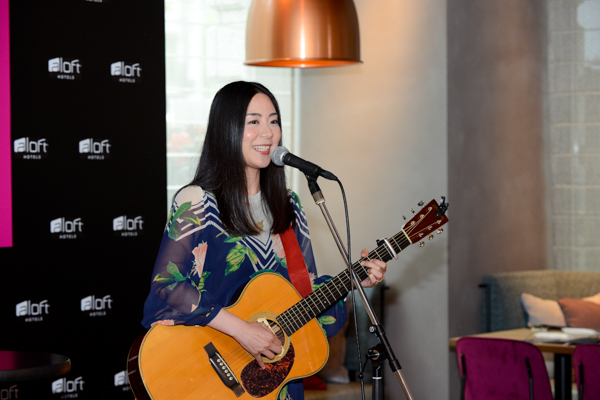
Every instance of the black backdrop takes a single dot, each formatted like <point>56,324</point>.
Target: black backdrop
<point>89,187</point>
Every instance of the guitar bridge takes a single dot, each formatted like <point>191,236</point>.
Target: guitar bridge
<point>223,371</point>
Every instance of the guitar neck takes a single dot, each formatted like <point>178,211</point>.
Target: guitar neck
<point>337,288</point>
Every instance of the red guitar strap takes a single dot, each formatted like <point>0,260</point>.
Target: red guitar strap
<point>295,262</point>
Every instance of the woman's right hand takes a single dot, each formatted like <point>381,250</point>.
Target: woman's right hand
<point>255,337</point>
<point>258,340</point>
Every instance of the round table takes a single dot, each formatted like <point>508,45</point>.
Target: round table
<point>16,366</point>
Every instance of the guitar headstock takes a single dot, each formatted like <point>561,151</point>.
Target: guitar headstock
<point>429,219</point>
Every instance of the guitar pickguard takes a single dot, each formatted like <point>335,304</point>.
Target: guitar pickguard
<point>260,382</point>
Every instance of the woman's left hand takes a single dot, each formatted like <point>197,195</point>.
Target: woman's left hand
<point>377,269</point>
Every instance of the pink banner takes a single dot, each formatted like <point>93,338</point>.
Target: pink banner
<point>6,239</point>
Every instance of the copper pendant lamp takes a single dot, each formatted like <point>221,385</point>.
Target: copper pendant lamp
<point>302,33</point>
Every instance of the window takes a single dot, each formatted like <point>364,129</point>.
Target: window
<point>205,49</point>
<point>574,132</point>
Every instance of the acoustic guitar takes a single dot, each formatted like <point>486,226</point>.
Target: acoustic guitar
<point>192,362</point>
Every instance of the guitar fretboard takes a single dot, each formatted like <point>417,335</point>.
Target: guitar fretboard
<point>336,288</point>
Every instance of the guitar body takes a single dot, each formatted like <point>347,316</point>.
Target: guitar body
<point>173,361</point>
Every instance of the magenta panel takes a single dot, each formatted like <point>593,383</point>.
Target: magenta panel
<point>6,239</point>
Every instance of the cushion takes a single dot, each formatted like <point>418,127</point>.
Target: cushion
<point>594,299</point>
<point>542,312</point>
<point>581,313</point>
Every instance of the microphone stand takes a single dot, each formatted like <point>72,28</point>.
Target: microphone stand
<point>378,353</point>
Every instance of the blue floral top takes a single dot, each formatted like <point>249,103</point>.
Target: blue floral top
<point>200,268</point>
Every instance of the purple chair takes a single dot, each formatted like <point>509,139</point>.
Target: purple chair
<point>501,369</point>
<point>586,361</point>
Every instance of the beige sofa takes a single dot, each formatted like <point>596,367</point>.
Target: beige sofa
<point>502,304</point>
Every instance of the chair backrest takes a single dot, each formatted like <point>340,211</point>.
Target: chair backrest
<point>501,369</point>
<point>588,355</point>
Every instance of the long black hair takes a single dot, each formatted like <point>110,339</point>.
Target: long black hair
<point>222,170</point>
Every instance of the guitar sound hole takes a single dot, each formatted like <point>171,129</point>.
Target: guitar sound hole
<point>274,326</point>
<point>278,331</point>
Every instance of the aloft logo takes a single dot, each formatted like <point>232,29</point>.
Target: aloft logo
<point>10,393</point>
<point>96,306</point>
<point>68,389</point>
<point>30,148</point>
<point>126,226</point>
<point>91,149</point>
<point>127,73</point>
<point>59,68</point>
<point>63,228</point>
<point>33,312</point>
<point>121,379</point>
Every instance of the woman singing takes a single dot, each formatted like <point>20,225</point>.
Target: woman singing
<point>224,228</point>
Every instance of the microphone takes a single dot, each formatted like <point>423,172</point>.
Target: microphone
<point>282,156</point>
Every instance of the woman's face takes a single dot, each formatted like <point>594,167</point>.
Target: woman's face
<point>262,133</point>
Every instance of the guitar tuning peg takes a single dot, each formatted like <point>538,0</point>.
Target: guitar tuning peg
<point>421,244</point>
<point>430,237</point>
<point>421,203</point>
<point>440,231</point>
<point>411,210</point>
<point>403,217</point>
<point>443,207</point>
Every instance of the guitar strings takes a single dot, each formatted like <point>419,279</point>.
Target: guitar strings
<point>238,358</point>
<point>298,315</point>
<point>294,318</point>
<point>302,312</point>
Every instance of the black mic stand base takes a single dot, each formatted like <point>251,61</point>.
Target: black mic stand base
<point>376,355</point>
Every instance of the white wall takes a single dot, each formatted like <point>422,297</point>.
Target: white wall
<point>381,128</point>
